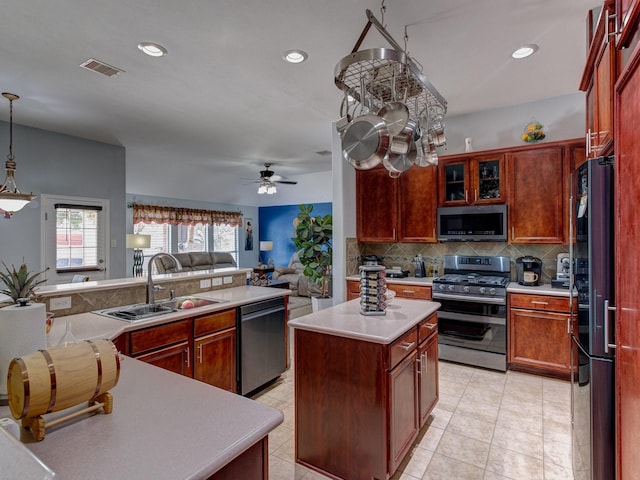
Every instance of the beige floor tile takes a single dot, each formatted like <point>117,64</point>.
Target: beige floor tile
<point>470,426</point>
<point>522,420</point>
<point>465,449</point>
<point>484,411</point>
<point>514,465</point>
<point>439,418</point>
<point>556,391</point>
<point>518,441</point>
<point>482,395</point>
<point>445,468</point>
<point>416,463</point>
<point>430,438</point>
<point>455,372</point>
<point>451,387</point>
<point>557,472</point>
<point>448,402</point>
<point>488,475</point>
<point>557,449</point>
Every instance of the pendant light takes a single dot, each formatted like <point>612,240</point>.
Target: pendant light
<point>11,200</point>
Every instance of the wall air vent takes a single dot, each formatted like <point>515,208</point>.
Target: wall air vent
<point>101,67</point>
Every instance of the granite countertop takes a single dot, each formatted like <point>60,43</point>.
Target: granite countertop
<point>92,325</point>
<point>345,320</point>
<point>163,426</point>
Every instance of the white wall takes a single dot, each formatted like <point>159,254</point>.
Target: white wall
<point>563,118</point>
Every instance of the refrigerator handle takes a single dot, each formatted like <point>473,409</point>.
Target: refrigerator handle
<point>607,309</point>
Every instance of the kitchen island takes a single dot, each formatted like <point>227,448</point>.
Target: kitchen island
<point>364,386</point>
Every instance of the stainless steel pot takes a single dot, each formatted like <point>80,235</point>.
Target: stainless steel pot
<point>365,142</point>
<point>395,115</point>
<point>402,142</point>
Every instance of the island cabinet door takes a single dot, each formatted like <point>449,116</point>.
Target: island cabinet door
<point>215,359</point>
<point>428,376</point>
<point>403,409</point>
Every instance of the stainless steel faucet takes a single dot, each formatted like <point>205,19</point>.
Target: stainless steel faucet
<point>151,288</point>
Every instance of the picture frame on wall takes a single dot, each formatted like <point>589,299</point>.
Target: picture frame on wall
<point>248,234</point>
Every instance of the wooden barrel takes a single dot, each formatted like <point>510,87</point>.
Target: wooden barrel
<point>61,377</point>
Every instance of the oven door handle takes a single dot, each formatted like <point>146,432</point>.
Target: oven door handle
<point>465,317</point>
<point>469,298</point>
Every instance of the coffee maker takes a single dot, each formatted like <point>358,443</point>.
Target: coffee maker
<point>562,272</point>
<point>528,270</point>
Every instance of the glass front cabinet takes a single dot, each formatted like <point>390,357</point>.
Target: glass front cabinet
<point>470,181</point>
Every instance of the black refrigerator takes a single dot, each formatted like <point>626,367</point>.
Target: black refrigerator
<point>592,373</point>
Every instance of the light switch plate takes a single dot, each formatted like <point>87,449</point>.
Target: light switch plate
<point>60,303</point>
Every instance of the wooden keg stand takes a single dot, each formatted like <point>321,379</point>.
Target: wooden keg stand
<point>59,378</point>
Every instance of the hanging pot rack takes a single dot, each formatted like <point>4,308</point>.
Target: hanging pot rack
<point>388,74</point>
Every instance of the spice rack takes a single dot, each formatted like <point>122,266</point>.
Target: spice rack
<point>373,288</point>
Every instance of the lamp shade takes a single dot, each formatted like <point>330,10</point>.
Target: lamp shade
<point>138,240</point>
<point>266,246</point>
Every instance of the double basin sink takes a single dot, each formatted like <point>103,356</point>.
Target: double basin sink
<point>144,311</point>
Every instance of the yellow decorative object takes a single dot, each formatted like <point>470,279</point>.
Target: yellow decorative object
<point>533,132</point>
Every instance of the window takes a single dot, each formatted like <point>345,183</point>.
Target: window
<point>189,238</point>
<point>77,233</point>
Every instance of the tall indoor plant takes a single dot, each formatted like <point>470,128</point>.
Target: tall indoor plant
<point>313,241</point>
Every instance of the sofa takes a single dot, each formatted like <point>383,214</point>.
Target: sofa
<point>185,262</point>
<point>300,299</point>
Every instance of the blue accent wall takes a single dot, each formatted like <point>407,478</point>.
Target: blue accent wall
<point>276,225</point>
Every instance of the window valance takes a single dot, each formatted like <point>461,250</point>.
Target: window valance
<point>184,216</point>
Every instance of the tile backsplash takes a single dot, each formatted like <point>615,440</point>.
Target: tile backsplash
<point>401,254</point>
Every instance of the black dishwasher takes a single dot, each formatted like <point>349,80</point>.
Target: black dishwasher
<point>261,343</point>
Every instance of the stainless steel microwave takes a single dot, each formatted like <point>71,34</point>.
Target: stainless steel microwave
<point>477,223</point>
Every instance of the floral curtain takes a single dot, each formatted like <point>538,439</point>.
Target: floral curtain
<point>184,216</point>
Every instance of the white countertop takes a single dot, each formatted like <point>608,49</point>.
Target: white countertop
<point>545,289</point>
<point>91,325</point>
<point>163,426</point>
<point>64,288</point>
<point>424,281</point>
<point>345,320</point>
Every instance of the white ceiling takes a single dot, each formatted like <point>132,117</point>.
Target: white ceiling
<point>223,102</point>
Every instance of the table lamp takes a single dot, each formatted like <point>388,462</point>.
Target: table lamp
<point>266,246</point>
<point>138,241</point>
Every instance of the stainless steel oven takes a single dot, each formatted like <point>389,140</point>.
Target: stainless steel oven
<point>472,322</point>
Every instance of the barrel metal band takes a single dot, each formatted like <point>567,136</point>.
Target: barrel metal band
<point>96,352</point>
<point>52,378</point>
<point>117,357</point>
<point>25,383</point>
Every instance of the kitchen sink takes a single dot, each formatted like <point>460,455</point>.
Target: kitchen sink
<point>144,311</point>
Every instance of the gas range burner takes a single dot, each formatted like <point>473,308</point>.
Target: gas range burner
<point>471,279</point>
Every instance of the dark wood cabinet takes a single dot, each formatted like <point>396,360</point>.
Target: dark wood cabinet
<point>472,179</point>
<point>422,292</point>
<point>376,206</point>
<point>359,404</point>
<point>396,209</point>
<point>597,81</point>
<point>539,338</point>
<point>175,358</point>
<point>215,350</point>
<point>627,253</point>
<point>538,195</point>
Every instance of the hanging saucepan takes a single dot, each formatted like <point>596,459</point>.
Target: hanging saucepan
<point>396,164</point>
<point>395,114</point>
<point>345,118</point>
<point>401,143</point>
<point>365,142</point>
<point>437,130</point>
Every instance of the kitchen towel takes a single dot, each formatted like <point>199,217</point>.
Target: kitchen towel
<point>22,331</point>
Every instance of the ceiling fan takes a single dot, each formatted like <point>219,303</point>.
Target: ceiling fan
<point>268,178</point>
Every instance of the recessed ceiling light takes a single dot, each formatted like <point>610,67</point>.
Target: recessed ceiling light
<point>152,49</point>
<point>525,51</point>
<point>294,56</point>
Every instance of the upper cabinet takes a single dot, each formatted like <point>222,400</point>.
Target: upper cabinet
<point>597,81</point>
<point>396,209</point>
<point>472,180</point>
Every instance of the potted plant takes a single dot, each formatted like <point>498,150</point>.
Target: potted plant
<point>20,283</point>
<point>313,241</point>
<point>22,325</point>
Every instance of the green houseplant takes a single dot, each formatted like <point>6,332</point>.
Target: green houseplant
<point>313,240</point>
<point>20,283</point>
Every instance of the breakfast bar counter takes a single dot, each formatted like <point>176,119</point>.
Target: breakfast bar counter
<point>163,426</point>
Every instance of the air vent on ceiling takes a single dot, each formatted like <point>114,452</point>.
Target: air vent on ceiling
<point>101,67</point>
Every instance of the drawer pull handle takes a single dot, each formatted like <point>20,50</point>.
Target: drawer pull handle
<point>431,326</point>
<point>200,353</point>
<point>408,291</point>
<point>188,354</point>
<point>407,345</point>
<point>539,302</point>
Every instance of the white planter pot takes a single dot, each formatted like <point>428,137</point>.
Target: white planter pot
<point>320,303</point>
<point>22,331</point>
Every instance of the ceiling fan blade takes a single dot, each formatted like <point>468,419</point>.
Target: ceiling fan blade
<point>286,182</point>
